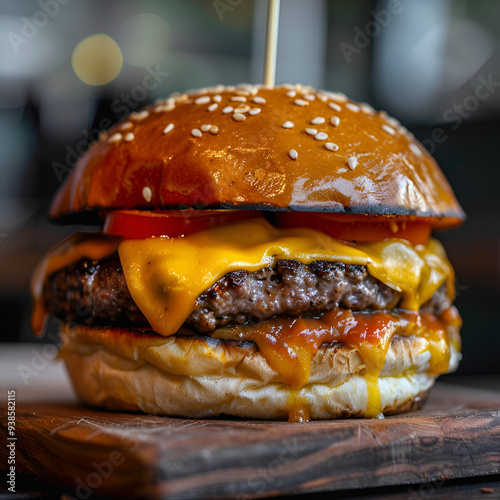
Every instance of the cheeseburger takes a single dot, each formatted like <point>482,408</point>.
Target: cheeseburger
<point>265,252</point>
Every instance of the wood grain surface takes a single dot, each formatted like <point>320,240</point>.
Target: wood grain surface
<point>456,435</point>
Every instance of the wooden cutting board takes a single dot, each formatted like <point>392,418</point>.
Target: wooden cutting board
<point>85,450</point>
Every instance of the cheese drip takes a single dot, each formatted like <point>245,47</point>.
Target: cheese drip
<point>166,275</point>
<point>93,246</point>
<point>289,345</point>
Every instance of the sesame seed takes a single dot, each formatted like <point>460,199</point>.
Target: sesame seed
<point>353,107</point>
<point>245,86</point>
<point>291,93</point>
<point>259,100</point>
<point>331,146</point>
<point>335,106</point>
<point>311,131</point>
<point>205,128</point>
<point>213,107</point>
<point>288,124</point>
<point>392,121</point>
<point>415,149</point>
<point>228,109</point>
<point>230,88</point>
<point>239,117</point>
<point>293,154</point>
<point>217,98</point>
<point>254,111</point>
<point>335,120</point>
<point>168,128</point>
<point>318,120</point>
<point>169,107</point>
<point>242,108</point>
<point>366,108</point>
<point>352,161</point>
<point>139,116</point>
<point>301,102</point>
<point>204,99</point>
<point>195,92</point>
<point>125,126</point>
<point>321,136</point>
<point>242,92</point>
<point>129,137</point>
<point>196,132</point>
<point>214,129</point>
<point>388,129</point>
<point>147,193</point>
<point>322,97</point>
<point>337,96</point>
<point>310,97</point>
<point>115,138</point>
<point>239,98</point>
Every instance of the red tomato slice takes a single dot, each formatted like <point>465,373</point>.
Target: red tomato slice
<point>137,224</point>
<point>359,227</point>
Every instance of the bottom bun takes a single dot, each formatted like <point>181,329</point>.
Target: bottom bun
<point>203,377</point>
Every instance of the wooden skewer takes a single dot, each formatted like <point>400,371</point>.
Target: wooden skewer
<point>273,16</point>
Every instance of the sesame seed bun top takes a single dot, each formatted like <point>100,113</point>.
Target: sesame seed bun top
<point>287,147</point>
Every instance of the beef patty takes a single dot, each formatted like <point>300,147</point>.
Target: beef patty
<point>96,293</point>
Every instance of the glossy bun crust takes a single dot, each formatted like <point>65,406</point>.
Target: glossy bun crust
<point>193,150</point>
<point>202,377</point>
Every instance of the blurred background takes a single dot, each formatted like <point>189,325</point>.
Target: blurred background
<point>69,69</point>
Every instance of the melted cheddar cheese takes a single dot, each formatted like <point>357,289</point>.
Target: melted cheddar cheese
<point>78,246</point>
<point>166,275</point>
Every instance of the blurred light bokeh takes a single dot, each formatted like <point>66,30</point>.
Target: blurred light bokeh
<point>69,69</point>
<point>97,60</point>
